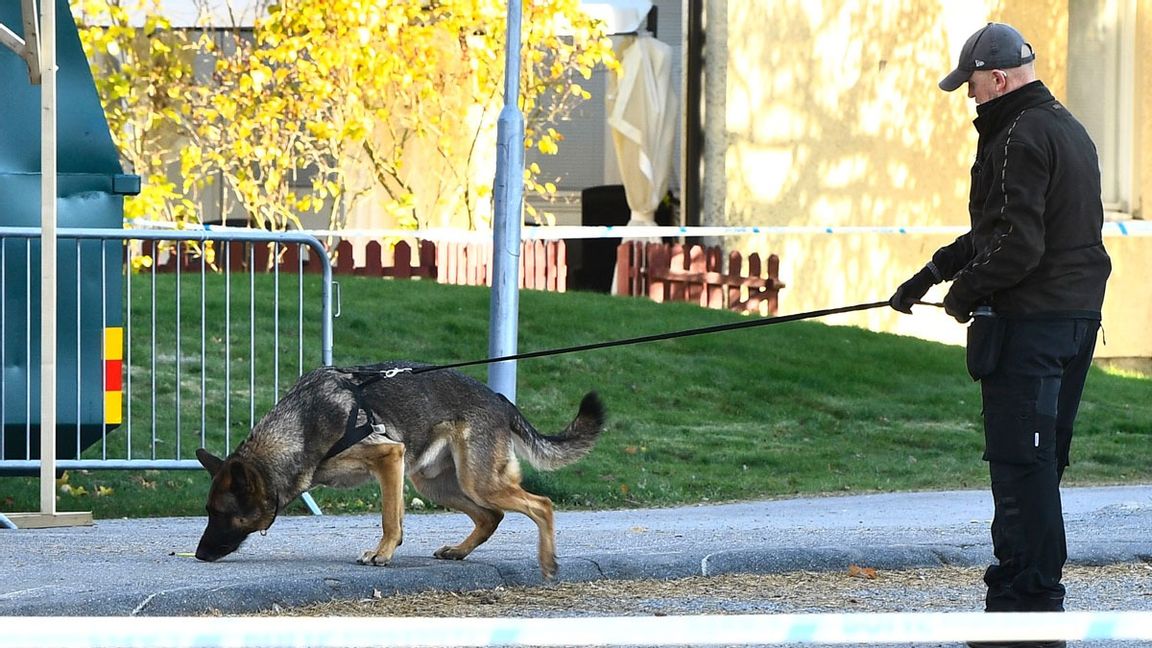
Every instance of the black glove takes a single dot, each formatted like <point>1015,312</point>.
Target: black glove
<point>912,290</point>
<point>952,306</point>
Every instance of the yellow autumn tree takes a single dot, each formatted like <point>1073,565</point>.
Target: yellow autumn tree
<point>391,99</point>
<point>143,74</point>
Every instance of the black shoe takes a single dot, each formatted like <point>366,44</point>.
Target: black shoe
<point>1050,643</point>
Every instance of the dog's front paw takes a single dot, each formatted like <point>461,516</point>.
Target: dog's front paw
<point>448,552</point>
<point>374,558</point>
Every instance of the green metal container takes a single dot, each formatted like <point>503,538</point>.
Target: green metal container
<point>89,279</point>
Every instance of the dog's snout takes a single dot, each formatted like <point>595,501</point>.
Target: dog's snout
<point>215,544</point>
<point>207,556</point>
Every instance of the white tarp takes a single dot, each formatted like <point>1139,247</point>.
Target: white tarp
<point>642,113</point>
<point>618,16</point>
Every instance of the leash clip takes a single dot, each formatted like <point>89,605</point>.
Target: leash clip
<point>391,373</point>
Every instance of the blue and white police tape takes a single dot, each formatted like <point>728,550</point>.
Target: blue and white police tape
<point>706,630</point>
<point>573,232</point>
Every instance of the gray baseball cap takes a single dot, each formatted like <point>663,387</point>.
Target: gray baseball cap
<point>995,47</point>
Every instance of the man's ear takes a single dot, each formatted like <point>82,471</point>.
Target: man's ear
<point>210,461</point>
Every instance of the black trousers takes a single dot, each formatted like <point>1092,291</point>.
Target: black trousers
<point>1030,403</point>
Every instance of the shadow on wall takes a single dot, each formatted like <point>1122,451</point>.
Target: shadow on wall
<point>835,118</point>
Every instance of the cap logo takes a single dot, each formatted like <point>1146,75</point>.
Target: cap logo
<point>979,63</point>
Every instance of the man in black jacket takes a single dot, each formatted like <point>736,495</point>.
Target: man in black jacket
<point>1030,275</point>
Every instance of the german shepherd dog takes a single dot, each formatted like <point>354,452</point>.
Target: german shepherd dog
<point>456,439</point>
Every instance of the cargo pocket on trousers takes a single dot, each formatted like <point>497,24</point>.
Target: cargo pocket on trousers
<point>1011,433</point>
<point>985,338</point>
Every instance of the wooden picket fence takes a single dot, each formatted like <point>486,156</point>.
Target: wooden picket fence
<point>673,272</point>
<point>543,264</point>
<point>660,271</point>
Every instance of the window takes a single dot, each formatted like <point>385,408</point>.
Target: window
<point>1101,69</point>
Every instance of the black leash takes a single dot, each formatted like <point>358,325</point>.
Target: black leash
<point>353,434</point>
<point>718,328</point>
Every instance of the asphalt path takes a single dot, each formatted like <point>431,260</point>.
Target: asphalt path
<point>144,566</point>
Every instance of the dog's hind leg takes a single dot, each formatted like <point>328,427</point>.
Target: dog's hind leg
<point>488,474</point>
<point>510,497</point>
<point>388,467</point>
<point>444,490</point>
<point>483,481</point>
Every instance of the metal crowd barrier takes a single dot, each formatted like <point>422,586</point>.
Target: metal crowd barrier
<point>169,341</point>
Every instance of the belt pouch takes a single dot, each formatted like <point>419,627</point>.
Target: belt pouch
<point>985,338</point>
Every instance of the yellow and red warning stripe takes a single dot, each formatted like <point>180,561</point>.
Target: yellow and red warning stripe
<point>113,375</point>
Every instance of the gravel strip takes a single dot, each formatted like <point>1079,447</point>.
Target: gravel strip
<point>1125,586</point>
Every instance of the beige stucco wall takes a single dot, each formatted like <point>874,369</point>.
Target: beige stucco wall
<point>833,118</point>
<point>1142,137</point>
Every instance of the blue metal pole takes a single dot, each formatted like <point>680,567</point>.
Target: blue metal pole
<point>508,190</point>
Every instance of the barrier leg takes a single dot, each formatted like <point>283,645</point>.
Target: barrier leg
<point>310,503</point>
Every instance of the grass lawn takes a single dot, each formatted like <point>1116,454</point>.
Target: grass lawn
<point>796,409</point>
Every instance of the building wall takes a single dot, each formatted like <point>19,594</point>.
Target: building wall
<point>834,118</point>
<point>1142,137</point>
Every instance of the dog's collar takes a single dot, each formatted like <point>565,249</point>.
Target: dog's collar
<point>275,514</point>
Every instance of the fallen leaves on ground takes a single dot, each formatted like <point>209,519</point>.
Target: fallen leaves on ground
<point>910,590</point>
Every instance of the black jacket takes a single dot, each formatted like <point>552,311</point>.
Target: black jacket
<point>1035,246</point>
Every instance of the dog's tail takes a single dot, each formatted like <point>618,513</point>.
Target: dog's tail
<point>577,440</point>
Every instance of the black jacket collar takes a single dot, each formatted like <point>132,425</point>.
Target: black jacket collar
<point>994,115</point>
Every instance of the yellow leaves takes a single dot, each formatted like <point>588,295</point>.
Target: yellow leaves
<point>307,203</point>
<point>547,146</point>
<point>64,486</point>
<point>273,181</point>
<point>549,143</point>
<point>141,263</point>
<point>117,87</point>
<point>74,491</point>
<point>259,77</point>
<point>355,130</point>
<point>327,84</point>
<point>141,481</point>
<point>92,7</point>
<point>856,571</point>
<point>225,108</point>
<point>320,130</point>
<point>191,158</point>
<point>208,251</point>
<point>579,91</point>
<point>330,188</point>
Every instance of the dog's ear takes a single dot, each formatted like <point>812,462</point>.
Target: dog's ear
<point>210,461</point>
<point>241,483</point>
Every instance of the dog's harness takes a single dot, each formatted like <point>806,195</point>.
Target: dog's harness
<point>353,433</point>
